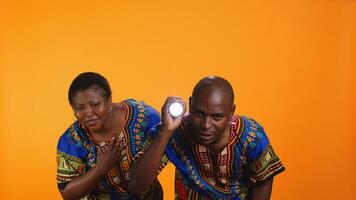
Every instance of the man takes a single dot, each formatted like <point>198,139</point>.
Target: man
<point>218,155</point>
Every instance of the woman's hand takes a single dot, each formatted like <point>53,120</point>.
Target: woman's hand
<point>106,160</point>
<point>110,156</point>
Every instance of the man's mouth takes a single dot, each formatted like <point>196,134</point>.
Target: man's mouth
<point>206,135</point>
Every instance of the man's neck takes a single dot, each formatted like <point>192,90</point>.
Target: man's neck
<point>224,140</point>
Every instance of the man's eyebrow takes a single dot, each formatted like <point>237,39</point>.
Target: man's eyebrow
<point>197,109</point>
<point>200,111</point>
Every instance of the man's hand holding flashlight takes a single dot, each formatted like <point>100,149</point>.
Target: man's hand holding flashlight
<point>172,114</point>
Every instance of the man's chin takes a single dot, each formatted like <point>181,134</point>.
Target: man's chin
<point>204,142</point>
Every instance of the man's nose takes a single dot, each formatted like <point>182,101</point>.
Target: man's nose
<point>206,123</point>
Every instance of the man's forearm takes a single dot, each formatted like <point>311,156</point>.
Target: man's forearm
<point>262,191</point>
<point>144,171</point>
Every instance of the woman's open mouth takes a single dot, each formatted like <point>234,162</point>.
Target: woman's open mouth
<point>91,122</point>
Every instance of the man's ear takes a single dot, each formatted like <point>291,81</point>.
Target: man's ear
<point>233,110</point>
<point>190,104</point>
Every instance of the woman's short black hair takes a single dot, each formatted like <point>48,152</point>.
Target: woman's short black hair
<point>86,80</point>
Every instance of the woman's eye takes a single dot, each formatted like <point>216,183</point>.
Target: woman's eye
<point>80,108</point>
<point>94,104</point>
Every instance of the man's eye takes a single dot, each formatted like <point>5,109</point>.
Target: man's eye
<point>217,117</point>
<point>198,114</point>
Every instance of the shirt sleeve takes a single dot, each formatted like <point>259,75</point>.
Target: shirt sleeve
<point>152,117</point>
<point>264,162</point>
<point>70,160</point>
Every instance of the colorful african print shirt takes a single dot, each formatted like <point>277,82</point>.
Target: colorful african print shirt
<point>76,154</point>
<point>204,173</point>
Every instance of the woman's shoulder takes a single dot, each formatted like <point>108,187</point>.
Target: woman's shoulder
<point>72,141</point>
<point>140,108</point>
<point>71,132</point>
<point>133,103</point>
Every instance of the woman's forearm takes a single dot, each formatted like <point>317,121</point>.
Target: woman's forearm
<point>82,185</point>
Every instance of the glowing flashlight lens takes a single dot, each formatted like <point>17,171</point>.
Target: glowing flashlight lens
<point>176,109</point>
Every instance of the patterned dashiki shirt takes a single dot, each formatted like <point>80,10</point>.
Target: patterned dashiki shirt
<point>76,154</point>
<point>204,173</point>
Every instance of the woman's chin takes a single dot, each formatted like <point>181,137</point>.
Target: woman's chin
<point>93,128</point>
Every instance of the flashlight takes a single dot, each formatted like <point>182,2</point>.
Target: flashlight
<point>175,109</point>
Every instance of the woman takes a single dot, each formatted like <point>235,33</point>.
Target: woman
<point>95,153</point>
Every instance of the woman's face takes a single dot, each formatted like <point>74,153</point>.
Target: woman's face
<point>91,108</point>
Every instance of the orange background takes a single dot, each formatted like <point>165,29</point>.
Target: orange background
<point>291,63</point>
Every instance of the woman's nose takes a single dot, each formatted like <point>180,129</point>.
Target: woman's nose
<point>89,111</point>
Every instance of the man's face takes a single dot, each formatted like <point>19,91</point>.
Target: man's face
<point>210,114</point>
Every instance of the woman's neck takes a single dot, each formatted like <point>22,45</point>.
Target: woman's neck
<point>113,125</point>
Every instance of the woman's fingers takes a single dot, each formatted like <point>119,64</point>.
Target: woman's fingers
<point>111,144</point>
<point>121,147</point>
<point>113,150</point>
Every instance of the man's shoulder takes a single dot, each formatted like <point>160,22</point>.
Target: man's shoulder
<point>248,121</point>
<point>252,134</point>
